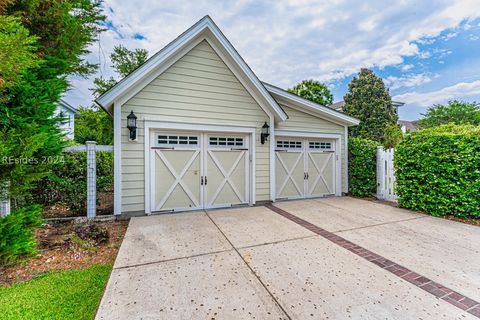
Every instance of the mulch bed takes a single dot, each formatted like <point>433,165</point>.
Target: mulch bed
<point>60,247</point>
<point>104,207</point>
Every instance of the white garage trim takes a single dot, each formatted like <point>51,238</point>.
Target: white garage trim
<point>338,151</point>
<point>117,164</point>
<point>346,157</point>
<point>151,125</point>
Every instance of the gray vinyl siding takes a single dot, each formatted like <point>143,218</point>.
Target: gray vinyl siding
<point>198,88</point>
<point>300,121</point>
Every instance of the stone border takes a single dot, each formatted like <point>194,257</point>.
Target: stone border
<point>442,292</point>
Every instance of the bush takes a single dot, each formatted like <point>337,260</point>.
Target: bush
<point>362,166</point>
<point>67,183</point>
<point>438,171</point>
<point>17,239</point>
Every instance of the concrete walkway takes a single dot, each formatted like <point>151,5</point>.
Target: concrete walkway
<point>253,263</point>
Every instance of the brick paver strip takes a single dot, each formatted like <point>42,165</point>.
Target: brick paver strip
<point>436,289</point>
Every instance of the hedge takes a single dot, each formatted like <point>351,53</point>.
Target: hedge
<point>362,166</point>
<point>67,183</point>
<point>438,171</point>
<point>17,239</point>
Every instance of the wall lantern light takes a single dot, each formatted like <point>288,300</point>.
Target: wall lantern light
<point>265,133</point>
<point>132,125</point>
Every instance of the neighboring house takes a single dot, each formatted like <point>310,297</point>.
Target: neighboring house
<point>408,126</point>
<point>211,134</point>
<point>68,112</point>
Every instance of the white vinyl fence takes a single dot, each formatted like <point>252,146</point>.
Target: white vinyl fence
<point>385,174</point>
<point>91,148</point>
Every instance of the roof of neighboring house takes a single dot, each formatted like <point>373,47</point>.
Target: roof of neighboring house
<point>68,106</point>
<point>411,126</point>
<point>341,104</point>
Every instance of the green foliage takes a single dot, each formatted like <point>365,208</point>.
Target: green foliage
<point>314,91</point>
<point>72,294</point>
<point>93,125</point>
<point>17,52</point>
<point>438,171</point>
<point>367,99</point>
<point>362,167</point>
<point>29,134</point>
<point>67,183</point>
<point>16,234</point>
<point>457,112</point>
<point>392,135</point>
<point>124,61</point>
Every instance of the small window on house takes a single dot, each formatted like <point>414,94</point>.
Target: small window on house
<point>287,144</point>
<point>320,145</point>
<point>226,142</point>
<point>177,140</point>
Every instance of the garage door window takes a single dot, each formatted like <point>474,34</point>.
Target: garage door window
<point>320,145</point>
<point>287,144</point>
<point>177,140</point>
<point>226,141</point>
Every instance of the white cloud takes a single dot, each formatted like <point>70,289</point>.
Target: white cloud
<point>462,90</point>
<point>408,81</point>
<point>285,42</point>
<point>407,67</point>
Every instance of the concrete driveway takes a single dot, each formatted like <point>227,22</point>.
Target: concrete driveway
<point>331,258</point>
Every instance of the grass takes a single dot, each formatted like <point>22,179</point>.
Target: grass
<point>72,294</point>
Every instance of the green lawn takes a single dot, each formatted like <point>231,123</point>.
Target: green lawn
<point>72,294</point>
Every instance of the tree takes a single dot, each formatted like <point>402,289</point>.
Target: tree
<point>124,61</point>
<point>314,91</point>
<point>17,52</point>
<point>95,125</point>
<point>457,112</point>
<point>29,133</point>
<point>367,99</point>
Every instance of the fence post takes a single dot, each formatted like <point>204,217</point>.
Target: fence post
<point>380,173</point>
<point>5,203</point>
<point>91,179</point>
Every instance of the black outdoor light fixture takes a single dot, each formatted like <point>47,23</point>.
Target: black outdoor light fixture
<point>265,133</point>
<point>132,125</point>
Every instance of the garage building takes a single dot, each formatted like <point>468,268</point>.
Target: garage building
<point>195,128</point>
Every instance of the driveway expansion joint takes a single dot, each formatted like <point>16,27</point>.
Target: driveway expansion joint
<point>251,269</point>
<point>172,259</point>
<point>438,290</point>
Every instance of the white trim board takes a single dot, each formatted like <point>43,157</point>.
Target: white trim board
<point>306,134</point>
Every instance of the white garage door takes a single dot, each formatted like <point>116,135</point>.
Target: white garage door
<point>304,168</point>
<point>199,170</point>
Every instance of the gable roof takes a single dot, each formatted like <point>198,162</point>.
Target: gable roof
<point>67,106</point>
<point>310,107</point>
<point>204,29</point>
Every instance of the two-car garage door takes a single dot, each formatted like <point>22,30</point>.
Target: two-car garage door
<point>304,167</point>
<point>199,170</point>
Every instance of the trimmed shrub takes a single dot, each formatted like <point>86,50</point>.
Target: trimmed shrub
<point>17,239</point>
<point>362,167</point>
<point>438,171</point>
<point>67,183</point>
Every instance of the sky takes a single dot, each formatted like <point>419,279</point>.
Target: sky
<point>427,52</point>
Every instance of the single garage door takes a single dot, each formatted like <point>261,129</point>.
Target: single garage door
<point>304,167</point>
<point>199,170</point>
